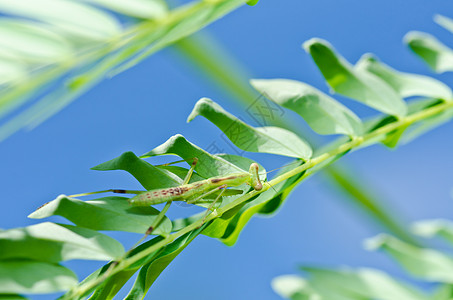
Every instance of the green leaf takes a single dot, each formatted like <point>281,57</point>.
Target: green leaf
<point>445,22</point>
<point>438,56</point>
<point>196,17</point>
<point>150,271</point>
<point>109,213</point>
<point>273,140</point>
<point>149,176</point>
<point>356,84</point>
<point>12,71</point>
<point>323,114</point>
<point>431,228</point>
<point>361,284</point>
<point>66,16</point>
<point>208,165</point>
<point>444,292</point>
<point>294,287</point>
<point>146,9</point>
<point>54,242</point>
<point>112,285</point>
<point>11,297</point>
<point>32,42</point>
<point>406,84</point>
<point>427,264</point>
<point>26,276</point>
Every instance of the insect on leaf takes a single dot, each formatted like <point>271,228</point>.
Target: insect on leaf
<point>208,165</point>
<point>109,213</point>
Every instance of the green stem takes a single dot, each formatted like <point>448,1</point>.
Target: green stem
<point>86,287</point>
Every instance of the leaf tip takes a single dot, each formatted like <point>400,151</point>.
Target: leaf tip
<point>252,2</point>
<point>374,243</point>
<point>428,228</point>
<point>313,42</point>
<point>199,106</point>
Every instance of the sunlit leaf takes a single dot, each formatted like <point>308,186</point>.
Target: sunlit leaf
<point>27,276</point>
<point>431,228</point>
<point>53,242</point>
<point>356,84</point>
<point>406,84</point>
<point>65,15</point>
<point>32,42</point>
<point>438,56</point>
<point>148,175</point>
<point>208,165</point>
<point>294,287</point>
<point>445,22</point>
<point>361,284</point>
<point>427,264</point>
<point>324,114</point>
<point>269,139</point>
<point>109,213</point>
<point>147,9</point>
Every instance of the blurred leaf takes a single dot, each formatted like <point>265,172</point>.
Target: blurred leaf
<point>273,140</point>
<point>54,242</point>
<point>356,84</point>
<point>109,213</point>
<point>438,56</point>
<point>406,84</point>
<point>445,22</point>
<point>294,287</point>
<point>427,264</point>
<point>102,39</point>
<point>65,15</point>
<point>324,114</point>
<point>361,284</point>
<point>427,125</point>
<point>146,9</point>
<point>148,175</point>
<point>437,227</point>
<point>32,42</point>
<point>26,276</point>
<point>205,14</point>
<point>11,297</point>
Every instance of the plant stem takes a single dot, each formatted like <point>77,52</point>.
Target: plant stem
<point>86,287</point>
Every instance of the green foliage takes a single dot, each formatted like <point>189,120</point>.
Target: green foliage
<point>273,140</point>
<point>57,54</point>
<point>370,82</point>
<point>427,264</point>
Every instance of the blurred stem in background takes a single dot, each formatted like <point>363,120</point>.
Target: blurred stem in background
<point>219,66</point>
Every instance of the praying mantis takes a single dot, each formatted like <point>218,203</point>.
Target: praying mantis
<point>191,193</point>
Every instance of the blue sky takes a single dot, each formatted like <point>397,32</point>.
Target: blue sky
<point>141,108</point>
